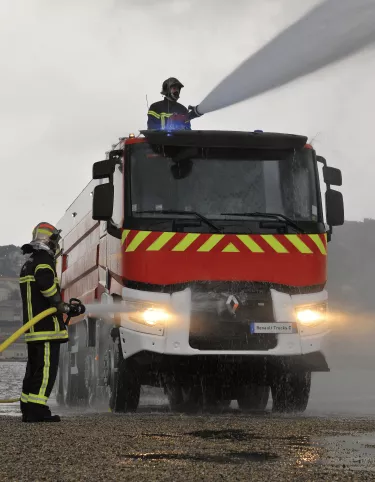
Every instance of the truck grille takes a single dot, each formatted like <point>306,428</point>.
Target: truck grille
<point>208,334</point>
<point>214,326</point>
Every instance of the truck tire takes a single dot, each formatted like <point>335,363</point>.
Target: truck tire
<point>184,397</point>
<point>213,398</point>
<point>291,391</point>
<point>88,378</point>
<point>70,386</point>
<point>58,388</point>
<point>123,381</point>
<point>253,397</point>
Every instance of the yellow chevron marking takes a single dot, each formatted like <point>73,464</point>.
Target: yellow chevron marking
<point>250,243</point>
<point>319,243</point>
<point>160,242</point>
<point>139,237</point>
<point>298,243</point>
<point>230,248</point>
<point>124,235</point>
<point>211,243</point>
<point>274,243</point>
<point>187,241</point>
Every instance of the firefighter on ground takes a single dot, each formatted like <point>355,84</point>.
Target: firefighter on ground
<point>39,291</point>
<point>169,114</point>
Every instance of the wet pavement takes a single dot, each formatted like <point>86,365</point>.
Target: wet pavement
<point>333,440</point>
<point>158,446</point>
<point>356,452</point>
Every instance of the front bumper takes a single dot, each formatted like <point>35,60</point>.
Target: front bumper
<point>302,348</point>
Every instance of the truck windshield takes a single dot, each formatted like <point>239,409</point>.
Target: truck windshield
<point>222,186</point>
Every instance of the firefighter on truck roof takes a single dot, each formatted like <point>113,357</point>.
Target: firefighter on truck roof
<point>168,114</point>
<point>39,291</point>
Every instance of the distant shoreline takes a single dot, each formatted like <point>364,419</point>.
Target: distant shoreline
<point>22,360</point>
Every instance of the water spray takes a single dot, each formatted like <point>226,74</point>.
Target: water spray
<point>330,32</point>
<point>103,308</point>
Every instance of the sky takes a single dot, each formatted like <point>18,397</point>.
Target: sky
<point>75,75</point>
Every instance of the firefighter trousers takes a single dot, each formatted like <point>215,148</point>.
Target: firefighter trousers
<point>40,376</point>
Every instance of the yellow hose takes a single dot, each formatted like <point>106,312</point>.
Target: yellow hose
<point>20,332</point>
<point>26,327</point>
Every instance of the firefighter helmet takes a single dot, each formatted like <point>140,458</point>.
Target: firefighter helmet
<point>171,82</point>
<point>47,234</point>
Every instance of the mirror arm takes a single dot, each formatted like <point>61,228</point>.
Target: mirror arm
<point>113,230</point>
<point>329,234</point>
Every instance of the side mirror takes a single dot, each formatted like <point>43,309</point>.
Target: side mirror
<point>335,208</point>
<point>332,176</point>
<point>102,204</point>
<point>103,169</point>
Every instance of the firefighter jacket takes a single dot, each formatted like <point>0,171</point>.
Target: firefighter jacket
<point>39,286</point>
<point>168,115</point>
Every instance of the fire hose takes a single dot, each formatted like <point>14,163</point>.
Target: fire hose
<point>20,332</point>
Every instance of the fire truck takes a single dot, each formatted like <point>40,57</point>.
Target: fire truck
<point>209,250</point>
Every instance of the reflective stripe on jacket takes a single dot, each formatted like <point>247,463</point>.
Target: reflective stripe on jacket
<point>38,284</point>
<point>168,115</point>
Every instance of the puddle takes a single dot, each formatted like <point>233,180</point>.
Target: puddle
<point>243,436</point>
<point>227,458</point>
<point>301,449</point>
<point>162,435</point>
<point>355,452</point>
<point>238,435</point>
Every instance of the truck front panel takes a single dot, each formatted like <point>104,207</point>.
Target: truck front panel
<point>171,258</point>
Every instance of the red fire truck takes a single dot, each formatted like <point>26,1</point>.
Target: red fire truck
<point>211,249</point>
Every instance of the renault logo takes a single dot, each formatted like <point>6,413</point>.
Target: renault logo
<point>232,304</point>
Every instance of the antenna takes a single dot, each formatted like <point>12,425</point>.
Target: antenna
<point>147,102</point>
<point>314,138</point>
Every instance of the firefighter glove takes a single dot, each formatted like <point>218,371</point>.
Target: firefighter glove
<point>76,308</point>
<point>193,112</point>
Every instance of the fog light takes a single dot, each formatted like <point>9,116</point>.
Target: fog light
<point>311,315</point>
<point>144,312</point>
<point>152,316</point>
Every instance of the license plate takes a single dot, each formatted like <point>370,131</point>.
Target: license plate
<point>279,328</point>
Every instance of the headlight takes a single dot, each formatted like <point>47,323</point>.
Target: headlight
<point>152,316</point>
<point>310,315</point>
<point>146,313</point>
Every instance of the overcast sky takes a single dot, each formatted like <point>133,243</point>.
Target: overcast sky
<point>75,74</point>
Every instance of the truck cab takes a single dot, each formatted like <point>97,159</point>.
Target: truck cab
<point>211,249</point>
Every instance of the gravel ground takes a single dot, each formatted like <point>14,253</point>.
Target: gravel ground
<point>167,447</point>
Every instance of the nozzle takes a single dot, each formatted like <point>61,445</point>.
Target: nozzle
<point>194,112</point>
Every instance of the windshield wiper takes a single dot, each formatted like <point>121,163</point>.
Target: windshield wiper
<point>195,213</point>
<point>279,217</point>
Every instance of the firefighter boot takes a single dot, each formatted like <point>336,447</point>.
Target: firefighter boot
<point>39,413</point>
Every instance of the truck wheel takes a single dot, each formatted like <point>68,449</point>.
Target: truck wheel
<point>69,382</point>
<point>122,380</point>
<point>291,391</point>
<point>89,378</point>
<point>184,397</point>
<point>58,388</point>
<point>213,399</point>
<point>253,397</point>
